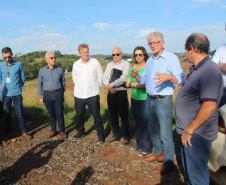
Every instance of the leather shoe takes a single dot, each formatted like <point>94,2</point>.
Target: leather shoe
<point>163,169</point>
<point>154,157</point>
<point>112,139</point>
<point>52,134</point>
<point>27,136</point>
<point>125,141</point>
<point>63,135</point>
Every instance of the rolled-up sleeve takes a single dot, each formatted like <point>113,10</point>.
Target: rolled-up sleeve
<point>40,82</point>
<point>100,74</point>
<point>23,75</point>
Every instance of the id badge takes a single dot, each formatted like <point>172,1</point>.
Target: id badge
<point>8,79</point>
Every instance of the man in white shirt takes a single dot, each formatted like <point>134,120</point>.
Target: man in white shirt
<point>220,58</point>
<point>87,76</point>
<point>114,79</point>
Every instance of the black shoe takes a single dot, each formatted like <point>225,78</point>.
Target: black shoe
<point>79,135</point>
<point>101,139</point>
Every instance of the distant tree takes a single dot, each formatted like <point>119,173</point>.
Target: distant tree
<point>57,53</point>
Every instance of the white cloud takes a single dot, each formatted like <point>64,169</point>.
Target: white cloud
<point>72,52</point>
<point>10,28</point>
<point>82,28</point>
<point>144,32</point>
<point>41,41</point>
<point>124,26</point>
<point>216,2</point>
<point>205,1</point>
<point>26,30</point>
<point>43,27</point>
<point>102,26</point>
<point>117,27</point>
<point>128,33</point>
<point>68,18</point>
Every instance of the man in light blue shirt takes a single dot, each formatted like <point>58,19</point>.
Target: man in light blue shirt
<point>12,79</point>
<point>161,75</point>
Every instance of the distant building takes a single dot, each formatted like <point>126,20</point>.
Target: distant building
<point>129,60</point>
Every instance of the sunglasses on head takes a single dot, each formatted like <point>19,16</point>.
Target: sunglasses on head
<point>117,54</point>
<point>140,55</point>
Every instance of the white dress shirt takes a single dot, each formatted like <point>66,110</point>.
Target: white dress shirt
<point>121,65</point>
<point>87,78</point>
<point>220,57</point>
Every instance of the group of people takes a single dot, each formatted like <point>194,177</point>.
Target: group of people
<point>153,81</point>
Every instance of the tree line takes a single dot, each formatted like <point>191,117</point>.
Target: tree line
<point>34,61</point>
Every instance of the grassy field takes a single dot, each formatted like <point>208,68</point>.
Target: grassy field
<point>37,116</point>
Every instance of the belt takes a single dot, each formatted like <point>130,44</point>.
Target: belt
<point>52,92</point>
<point>155,96</point>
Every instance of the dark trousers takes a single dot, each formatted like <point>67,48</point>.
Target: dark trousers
<point>18,106</point>
<point>223,99</point>
<point>55,105</point>
<point>118,106</point>
<point>140,117</point>
<point>94,107</point>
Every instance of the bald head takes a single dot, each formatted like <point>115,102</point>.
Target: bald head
<point>117,54</point>
<point>198,42</point>
<point>51,60</point>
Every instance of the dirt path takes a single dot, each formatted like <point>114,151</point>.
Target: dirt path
<point>76,161</point>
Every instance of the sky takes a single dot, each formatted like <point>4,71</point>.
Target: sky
<point>33,25</point>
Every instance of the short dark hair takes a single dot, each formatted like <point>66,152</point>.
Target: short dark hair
<point>199,42</point>
<point>6,50</point>
<point>143,51</point>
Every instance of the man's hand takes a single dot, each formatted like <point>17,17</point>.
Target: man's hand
<point>113,91</point>
<point>109,87</point>
<point>41,101</point>
<point>186,138</point>
<point>161,77</point>
<point>133,73</point>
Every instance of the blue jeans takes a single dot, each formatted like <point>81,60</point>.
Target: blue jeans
<point>55,105</point>
<point>140,117</point>
<point>160,118</point>
<point>18,106</point>
<point>195,160</point>
<point>94,107</point>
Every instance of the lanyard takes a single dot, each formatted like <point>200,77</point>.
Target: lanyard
<point>9,69</point>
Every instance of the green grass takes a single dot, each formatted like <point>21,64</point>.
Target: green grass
<point>37,116</point>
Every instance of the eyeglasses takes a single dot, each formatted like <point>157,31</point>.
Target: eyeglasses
<point>140,55</point>
<point>117,54</point>
<point>7,57</point>
<point>153,43</point>
<point>51,58</point>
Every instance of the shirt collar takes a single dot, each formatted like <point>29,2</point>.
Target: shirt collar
<point>53,67</point>
<point>13,63</point>
<point>118,62</point>
<point>163,55</point>
<point>80,60</point>
<point>200,63</point>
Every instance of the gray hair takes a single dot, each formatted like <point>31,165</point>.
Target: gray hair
<point>46,55</point>
<point>156,34</point>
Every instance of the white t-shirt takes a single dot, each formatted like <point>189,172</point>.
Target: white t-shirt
<point>220,57</point>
